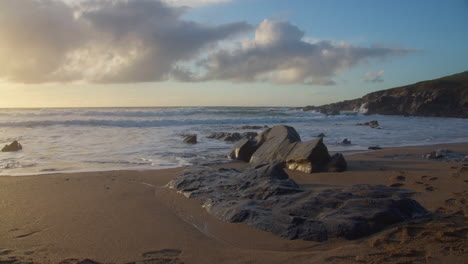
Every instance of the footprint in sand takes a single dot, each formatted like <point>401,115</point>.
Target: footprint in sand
<point>28,234</point>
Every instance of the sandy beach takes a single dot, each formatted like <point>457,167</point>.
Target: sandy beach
<point>131,217</point>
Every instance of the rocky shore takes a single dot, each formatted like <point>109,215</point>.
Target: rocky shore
<point>443,97</point>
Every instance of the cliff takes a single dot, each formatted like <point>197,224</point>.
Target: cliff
<point>443,97</point>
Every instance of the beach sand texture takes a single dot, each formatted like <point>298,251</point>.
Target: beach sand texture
<point>131,217</point>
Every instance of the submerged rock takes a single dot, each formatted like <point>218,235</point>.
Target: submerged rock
<point>232,137</point>
<point>346,142</point>
<point>264,197</point>
<point>14,146</point>
<point>372,124</point>
<point>190,139</point>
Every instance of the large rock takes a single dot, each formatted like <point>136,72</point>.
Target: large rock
<point>275,144</point>
<point>282,144</point>
<point>14,146</point>
<point>310,156</point>
<point>243,150</point>
<point>264,197</point>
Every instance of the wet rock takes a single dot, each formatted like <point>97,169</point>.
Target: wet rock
<point>337,163</point>
<point>14,146</point>
<point>251,127</point>
<point>372,124</point>
<point>374,148</point>
<point>190,139</point>
<point>264,197</point>
<point>321,135</point>
<point>232,137</point>
<point>243,150</point>
<point>346,142</point>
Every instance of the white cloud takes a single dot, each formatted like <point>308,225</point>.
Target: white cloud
<point>279,53</point>
<point>374,77</point>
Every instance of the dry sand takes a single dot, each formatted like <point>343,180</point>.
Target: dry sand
<point>130,217</point>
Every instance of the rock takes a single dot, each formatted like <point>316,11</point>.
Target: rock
<point>337,163</point>
<point>14,146</point>
<point>251,127</point>
<point>446,155</point>
<point>265,198</point>
<point>321,135</point>
<point>243,150</point>
<point>231,137</point>
<point>374,148</point>
<point>190,139</point>
<point>310,156</point>
<point>346,142</point>
<point>372,124</point>
<point>275,144</point>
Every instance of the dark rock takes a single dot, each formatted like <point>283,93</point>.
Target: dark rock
<point>243,150</point>
<point>14,146</point>
<point>337,163</point>
<point>190,139</point>
<point>346,142</point>
<point>321,135</point>
<point>231,137</point>
<point>265,198</point>
<point>275,144</point>
<point>251,127</point>
<point>372,124</point>
<point>374,148</point>
<point>310,156</point>
<point>443,97</point>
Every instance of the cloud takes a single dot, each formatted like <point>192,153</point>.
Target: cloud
<point>194,3</point>
<point>123,41</point>
<point>279,53</point>
<point>373,77</point>
<point>101,41</point>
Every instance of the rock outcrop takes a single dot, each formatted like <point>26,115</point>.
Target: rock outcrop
<point>443,97</point>
<point>264,197</point>
<point>282,144</point>
<point>14,146</point>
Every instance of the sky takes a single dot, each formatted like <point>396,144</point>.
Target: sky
<point>107,53</point>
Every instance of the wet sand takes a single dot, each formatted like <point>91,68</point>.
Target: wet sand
<point>130,217</point>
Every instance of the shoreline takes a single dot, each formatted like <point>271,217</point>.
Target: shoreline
<point>128,216</point>
<point>345,153</point>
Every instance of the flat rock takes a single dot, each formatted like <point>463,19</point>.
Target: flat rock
<point>265,198</point>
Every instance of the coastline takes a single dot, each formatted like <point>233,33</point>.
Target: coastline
<point>127,216</point>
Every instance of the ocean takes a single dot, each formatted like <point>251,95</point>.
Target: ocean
<point>95,139</point>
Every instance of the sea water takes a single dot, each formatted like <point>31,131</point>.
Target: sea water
<point>92,139</point>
